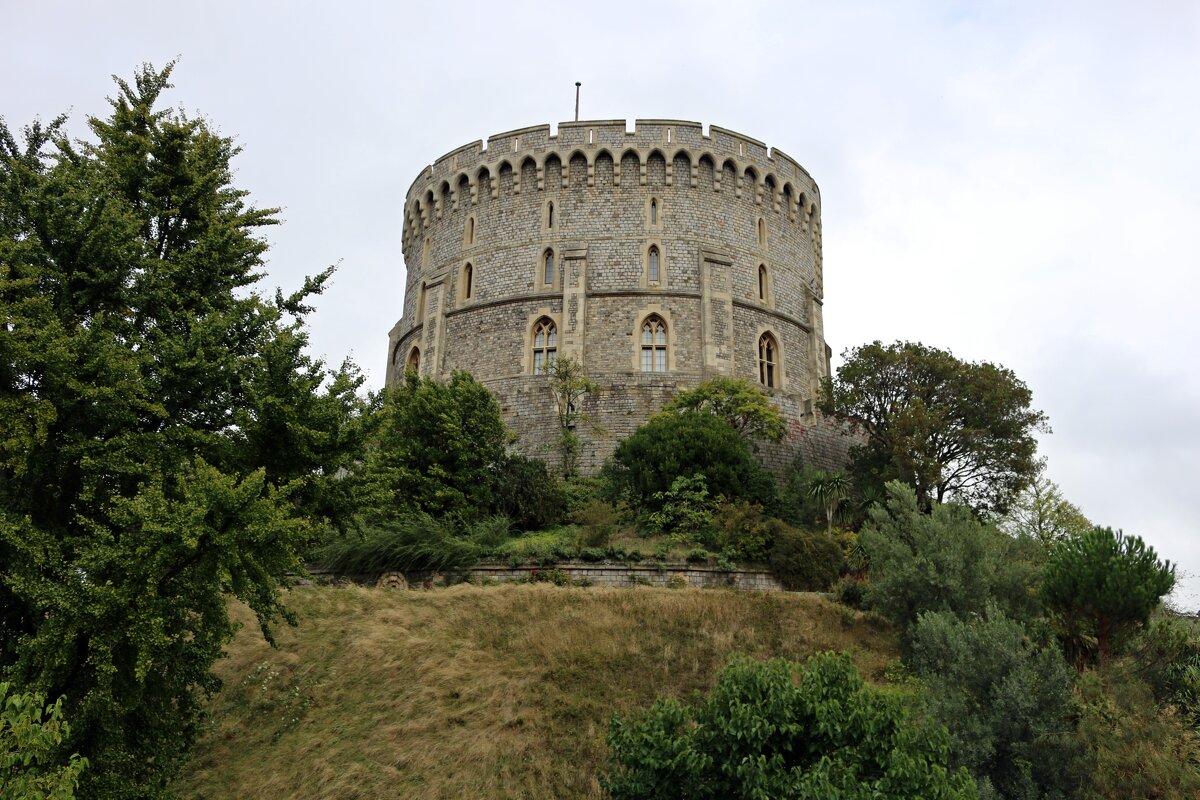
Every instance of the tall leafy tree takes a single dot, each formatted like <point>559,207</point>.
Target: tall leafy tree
<point>744,405</point>
<point>947,427</point>
<point>1041,511</point>
<point>164,441</point>
<point>1104,584</point>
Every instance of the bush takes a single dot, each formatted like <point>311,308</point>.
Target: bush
<point>670,446</point>
<point>685,511</point>
<point>579,493</point>
<point>31,734</point>
<point>597,521</point>
<point>946,560</point>
<point>851,591</point>
<point>1135,749</point>
<point>1167,656</point>
<point>414,542</point>
<point>1005,702</point>
<point>761,734</point>
<point>805,561</point>
<point>527,493</point>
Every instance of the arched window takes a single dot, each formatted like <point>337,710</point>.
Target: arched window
<point>653,211</point>
<point>548,268</point>
<point>654,345</point>
<point>550,214</point>
<point>470,230</point>
<point>545,345</point>
<point>421,304</point>
<point>762,282</point>
<point>762,232</point>
<point>468,281</point>
<point>768,353</point>
<point>652,267</point>
<point>414,360</point>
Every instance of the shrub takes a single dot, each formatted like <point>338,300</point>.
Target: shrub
<point>851,591</point>
<point>805,561</point>
<point>597,521</point>
<point>685,511</point>
<point>31,733</point>
<point>1005,702</point>
<point>526,492</point>
<point>579,493</point>
<point>408,543</point>
<point>741,532</point>
<point>698,555</point>
<point>670,446</point>
<point>490,533</point>
<point>759,733</point>
<point>1135,748</point>
<point>946,560</point>
<point>1167,655</point>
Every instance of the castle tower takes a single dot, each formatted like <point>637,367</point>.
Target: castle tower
<point>657,257</point>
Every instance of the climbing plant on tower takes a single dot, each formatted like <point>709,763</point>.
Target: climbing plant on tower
<point>165,442</point>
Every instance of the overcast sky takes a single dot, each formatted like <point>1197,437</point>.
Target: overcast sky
<point>1015,182</point>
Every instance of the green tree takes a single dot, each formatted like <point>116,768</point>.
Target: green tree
<point>761,734</point>
<point>438,449</point>
<point>946,427</point>
<point>828,489</point>
<point>30,736</point>
<point>1104,584</point>
<point>1005,701</point>
<point>1041,511</point>
<point>744,405</point>
<point>163,437</point>
<point>669,446</point>
<point>947,560</point>
<point>569,384</point>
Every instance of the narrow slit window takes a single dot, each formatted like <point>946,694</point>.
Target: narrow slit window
<point>762,233</point>
<point>421,304</point>
<point>470,230</point>
<point>550,215</point>
<point>468,280</point>
<point>767,355</point>
<point>545,345</point>
<point>653,211</point>
<point>548,268</point>
<point>653,266</point>
<point>762,282</point>
<point>654,345</point>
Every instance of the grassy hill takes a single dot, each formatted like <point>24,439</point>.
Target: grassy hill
<point>480,692</point>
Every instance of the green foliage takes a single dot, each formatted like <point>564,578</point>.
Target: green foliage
<point>526,492</point>
<point>1005,701</point>
<point>1135,749</point>
<point>1105,584</point>
<point>805,561</point>
<point>744,405</point>
<point>165,442</point>
<point>1167,655</point>
<point>579,492</point>
<point>760,734</point>
<point>851,591</point>
<point>946,560</point>
<point>828,489</point>
<point>30,739</point>
<point>439,449</point>
<point>1041,511</point>
<point>685,511</point>
<point>415,542</point>
<point>569,384</point>
<point>597,522</point>
<point>741,532</point>
<point>674,445</point>
<point>948,428</point>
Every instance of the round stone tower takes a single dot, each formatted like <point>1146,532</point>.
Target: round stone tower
<point>657,257</point>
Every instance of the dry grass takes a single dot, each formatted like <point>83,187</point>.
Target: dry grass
<point>480,692</point>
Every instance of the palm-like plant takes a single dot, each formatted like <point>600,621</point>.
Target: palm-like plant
<point>829,489</point>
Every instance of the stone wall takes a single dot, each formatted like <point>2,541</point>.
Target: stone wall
<point>737,230</point>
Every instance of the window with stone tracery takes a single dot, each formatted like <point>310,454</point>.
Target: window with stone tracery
<point>768,353</point>
<point>545,345</point>
<point>654,345</point>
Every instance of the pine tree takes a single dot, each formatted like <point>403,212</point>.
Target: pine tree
<point>165,442</point>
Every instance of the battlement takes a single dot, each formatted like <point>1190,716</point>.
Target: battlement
<point>460,171</point>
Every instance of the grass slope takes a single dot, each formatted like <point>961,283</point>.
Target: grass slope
<point>480,692</point>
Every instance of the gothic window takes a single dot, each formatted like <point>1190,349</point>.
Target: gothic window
<point>468,281</point>
<point>470,230</point>
<point>653,211</point>
<point>762,282</point>
<point>768,354</point>
<point>550,215</point>
<point>654,345</point>
<point>762,233</point>
<point>652,267</point>
<point>414,360</point>
<point>548,268</point>
<point>421,304</point>
<point>545,345</point>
